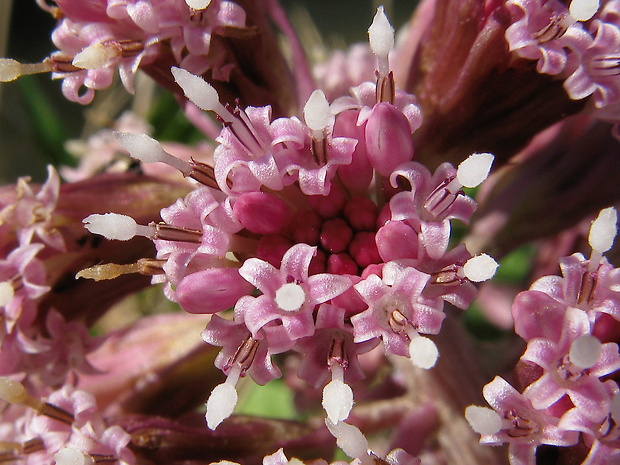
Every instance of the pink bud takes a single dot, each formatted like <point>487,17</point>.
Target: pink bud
<point>328,206</point>
<point>272,248</point>
<point>363,249</point>
<point>397,240</point>
<point>357,175</point>
<point>336,235</point>
<point>261,213</point>
<point>361,213</point>
<point>388,138</point>
<point>341,263</point>
<point>212,290</point>
<point>306,227</point>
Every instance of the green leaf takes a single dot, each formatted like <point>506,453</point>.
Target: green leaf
<point>49,128</point>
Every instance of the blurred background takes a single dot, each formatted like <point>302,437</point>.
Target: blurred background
<point>36,120</point>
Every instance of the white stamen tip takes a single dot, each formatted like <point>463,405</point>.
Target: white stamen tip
<point>349,438</point>
<point>603,230</point>
<point>483,420</point>
<point>381,34</point>
<point>111,226</point>
<point>337,400</point>
<point>9,69</point>
<point>290,297</point>
<point>142,147</point>
<point>95,56</point>
<point>221,404</point>
<point>474,169</point>
<point>585,351</point>
<point>6,293</point>
<point>423,352</point>
<point>316,111</point>
<point>583,10</point>
<point>69,456</point>
<point>480,268</point>
<point>196,89</point>
<point>198,4</point>
<point>11,391</point>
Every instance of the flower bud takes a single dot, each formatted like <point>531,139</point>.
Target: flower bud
<point>388,138</point>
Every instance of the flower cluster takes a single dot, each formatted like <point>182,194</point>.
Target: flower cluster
<point>343,236</point>
<point>566,365</point>
<point>579,43</point>
<point>321,233</point>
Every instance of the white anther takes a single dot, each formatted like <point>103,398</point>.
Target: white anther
<point>583,10</point>
<point>6,293</point>
<point>349,438</point>
<point>200,92</point>
<point>483,420</point>
<point>221,404</point>
<point>198,4</point>
<point>603,230</point>
<point>69,456</point>
<point>9,69</point>
<point>148,150</point>
<point>95,56</point>
<point>423,352</point>
<point>585,351</point>
<point>337,400</point>
<point>474,169</point>
<point>316,111</point>
<point>381,34</point>
<point>480,268</point>
<point>12,391</point>
<point>290,297</point>
<point>116,227</point>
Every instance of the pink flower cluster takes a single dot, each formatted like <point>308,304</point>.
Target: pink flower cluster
<point>324,237</point>
<point>96,38</point>
<point>566,370</point>
<point>579,43</point>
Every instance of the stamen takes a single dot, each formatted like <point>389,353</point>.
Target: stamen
<point>145,266</point>
<point>446,276</point>
<point>351,440</point>
<point>11,69</point>
<point>15,393</point>
<point>483,420</point>
<point>587,287</point>
<point>97,55</point>
<point>585,351</point>
<point>205,97</point>
<point>148,150</point>
<point>602,235</point>
<point>244,356</point>
<point>222,400</point>
<point>6,293</point>
<point>290,297</point>
<point>117,227</point>
<point>198,4</point>
<point>381,39</point>
<point>583,10</point>
<point>32,445</point>
<point>423,352</point>
<point>337,396</point>
<point>479,268</point>
<point>605,65</point>
<point>474,169</point>
<point>69,456</point>
<point>557,27</point>
<point>316,113</point>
